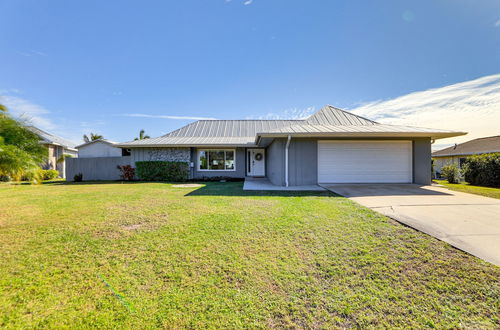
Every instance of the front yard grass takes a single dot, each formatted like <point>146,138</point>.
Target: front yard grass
<point>468,188</point>
<point>144,255</point>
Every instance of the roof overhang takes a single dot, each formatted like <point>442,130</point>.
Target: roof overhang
<point>218,145</point>
<point>431,135</point>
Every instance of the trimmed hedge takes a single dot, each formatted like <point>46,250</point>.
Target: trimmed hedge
<point>483,170</point>
<point>162,171</point>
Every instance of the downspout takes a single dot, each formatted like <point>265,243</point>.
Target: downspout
<point>286,159</point>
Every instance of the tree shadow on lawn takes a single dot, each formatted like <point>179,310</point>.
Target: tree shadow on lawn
<point>236,189</point>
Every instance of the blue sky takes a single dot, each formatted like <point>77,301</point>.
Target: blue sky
<point>114,67</point>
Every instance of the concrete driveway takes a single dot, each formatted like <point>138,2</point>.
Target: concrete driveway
<point>468,222</point>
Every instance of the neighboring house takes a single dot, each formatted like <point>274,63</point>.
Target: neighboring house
<point>331,146</point>
<point>459,152</point>
<point>100,148</point>
<point>57,147</point>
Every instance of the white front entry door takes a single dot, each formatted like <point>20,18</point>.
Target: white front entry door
<point>256,162</point>
<point>364,161</point>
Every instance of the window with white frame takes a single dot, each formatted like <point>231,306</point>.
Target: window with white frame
<point>216,160</point>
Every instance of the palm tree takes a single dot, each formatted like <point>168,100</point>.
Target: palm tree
<point>93,137</point>
<point>3,108</point>
<point>142,135</point>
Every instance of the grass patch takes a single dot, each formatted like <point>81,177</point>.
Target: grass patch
<point>144,255</point>
<point>467,188</point>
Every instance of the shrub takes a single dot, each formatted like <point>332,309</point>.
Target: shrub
<point>483,170</point>
<point>127,172</point>
<point>5,178</point>
<point>78,177</point>
<point>49,174</point>
<point>451,173</point>
<point>162,171</point>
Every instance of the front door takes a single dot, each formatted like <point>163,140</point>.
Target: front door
<point>256,162</point>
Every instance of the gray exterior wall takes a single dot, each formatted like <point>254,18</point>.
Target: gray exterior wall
<point>275,162</point>
<point>303,161</point>
<point>240,165</point>
<point>422,161</point>
<point>100,168</point>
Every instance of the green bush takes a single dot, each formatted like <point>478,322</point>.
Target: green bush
<point>451,173</point>
<point>40,175</point>
<point>483,170</point>
<point>49,174</point>
<point>162,171</point>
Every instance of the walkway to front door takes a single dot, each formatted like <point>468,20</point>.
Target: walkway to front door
<point>468,222</point>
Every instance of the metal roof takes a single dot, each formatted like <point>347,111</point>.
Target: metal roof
<point>473,147</point>
<point>328,121</point>
<point>375,130</point>
<point>330,115</point>
<point>48,138</point>
<point>226,128</point>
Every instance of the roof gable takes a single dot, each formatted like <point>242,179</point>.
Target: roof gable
<point>48,138</point>
<point>330,115</point>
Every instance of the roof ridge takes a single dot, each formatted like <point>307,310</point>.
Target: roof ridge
<point>352,114</point>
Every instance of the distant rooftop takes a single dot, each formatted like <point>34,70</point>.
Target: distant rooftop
<point>48,138</point>
<point>473,147</point>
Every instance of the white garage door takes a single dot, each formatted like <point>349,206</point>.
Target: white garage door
<point>364,161</point>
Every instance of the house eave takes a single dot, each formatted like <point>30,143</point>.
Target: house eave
<point>431,135</point>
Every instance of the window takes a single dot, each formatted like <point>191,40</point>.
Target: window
<point>125,152</point>
<point>216,160</point>
<point>461,162</point>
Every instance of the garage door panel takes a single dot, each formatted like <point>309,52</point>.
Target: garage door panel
<point>364,161</point>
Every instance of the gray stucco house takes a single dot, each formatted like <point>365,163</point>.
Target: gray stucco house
<point>331,146</point>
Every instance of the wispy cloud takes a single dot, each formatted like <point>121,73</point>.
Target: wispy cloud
<point>293,113</point>
<point>497,23</point>
<point>472,106</point>
<point>23,108</point>
<point>32,53</point>
<point>143,115</point>
<point>248,2</point>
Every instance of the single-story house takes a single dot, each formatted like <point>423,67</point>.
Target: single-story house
<point>331,146</point>
<point>100,148</point>
<point>459,152</point>
<point>57,149</point>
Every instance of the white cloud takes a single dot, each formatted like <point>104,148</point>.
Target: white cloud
<point>30,53</point>
<point>472,106</point>
<point>142,115</point>
<point>293,113</point>
<point>22,108</point>
<point>248,2</point>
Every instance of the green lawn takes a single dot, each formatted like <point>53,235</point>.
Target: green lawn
<point>144,255</point>
<point>467,188</point>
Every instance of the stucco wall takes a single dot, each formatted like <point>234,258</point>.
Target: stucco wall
<point>239,172</point>
<point>160,154</point>
<point>99,149</point>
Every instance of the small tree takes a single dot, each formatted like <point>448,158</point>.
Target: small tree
<point>451,173</point>
<point>93,137</point>
<point>20,150</point>
<point>142,136</point>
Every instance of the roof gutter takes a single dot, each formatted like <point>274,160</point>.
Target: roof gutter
<point>286,159</point>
